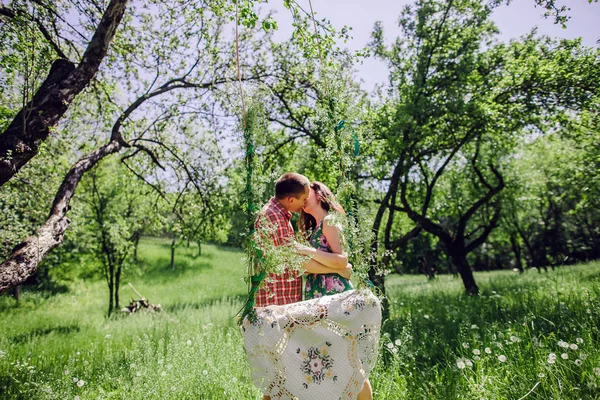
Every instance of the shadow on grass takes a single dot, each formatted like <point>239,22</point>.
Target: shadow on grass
<point>61,330</point>
<point>196,305</point>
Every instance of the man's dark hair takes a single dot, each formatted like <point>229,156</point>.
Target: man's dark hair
<point>291,184</point>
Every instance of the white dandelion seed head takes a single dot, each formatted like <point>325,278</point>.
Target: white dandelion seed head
<point>189,342</point>
<point>541,375</point>
<point>397,342</point>
<point>579,340</point>
<point>578,362</point>
<point>476,352</point>
<point>163,373</point>
<point>514,339</point>
<point>76,398</point>
<point>67,372</point>
<point>395,350</point>
<point>597,371</point>
<point>469,362</point>
<point>502,358</point>
<point>473,326</point>
<point>460,363</point>
<point>488,350</point>
<point>138,373</point>
<point>75,380</point>
<point>132,365</point>
<point>426,316</point>
<point>390,345</point>
<point>583,356</point>
<point>573,346</point>
<point>465,345</point>
<point>564,356</point>
<point>476,358</point>
<point>161,361</point>
<point>562,344</point>
<point>205,372</point>
<point>588,311</point>
<point>80,383</point>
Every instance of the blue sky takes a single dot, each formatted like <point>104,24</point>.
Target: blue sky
<point>513,21</point>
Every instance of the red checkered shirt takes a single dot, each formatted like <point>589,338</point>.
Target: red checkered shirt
<point>285,288</point>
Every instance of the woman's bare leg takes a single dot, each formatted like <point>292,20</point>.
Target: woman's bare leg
<point>366,393</point>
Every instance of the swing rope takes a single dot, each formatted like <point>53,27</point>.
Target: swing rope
<point>254,254</point>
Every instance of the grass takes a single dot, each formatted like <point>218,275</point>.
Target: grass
<point>433,346</point>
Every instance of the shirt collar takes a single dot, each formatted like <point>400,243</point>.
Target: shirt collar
<point>281,209</point>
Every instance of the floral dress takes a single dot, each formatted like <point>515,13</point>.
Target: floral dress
<point>319,285</point>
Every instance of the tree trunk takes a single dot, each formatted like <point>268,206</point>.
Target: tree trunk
<point>199,248</point>
<point>517,250</point>
<point>26,256</point>
<point>136,242</point>
<point>117,285</point>
<point>111,288</point>
<point>173,253</point>
<point>20,142</point>
<point>17,292</point>
<point>466,274</point>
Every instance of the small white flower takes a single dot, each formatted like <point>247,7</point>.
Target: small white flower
<point>75,380</point>
<point>395,350</point>
<point>473,326</point>
<point>163,373</point>
<point>579,340</point>
<point>205,372</point>
<point>66,372</point>
<point>514,339</point>
<point>161,361</point>
<point>108,336</point>
<point>541,375</point>
<point>583,356</point>
<point>465,345</point>
<point>476,352</point>
<point>502,358</point>
<point>469,362</point>
<point>488,350</point>
<point>132,365</point>
<point>476,358</point>
<point>426,316</point>
<point>138,373</point>
<point>573,346</point>
<point>390,345</point>
<point>588,311</point>
<point>2,354</point>
<point>562,344</point>
<point>460,363</point>
<point>397,342</point>
<point>564,356</point>
<point>189,342</point>
<point>170,367</point>
<point>76,398</point>
<point>578,362</point>
<point>80,383</point>
<point>597,371</point>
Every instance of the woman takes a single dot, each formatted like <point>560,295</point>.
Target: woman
<point>318,224</point>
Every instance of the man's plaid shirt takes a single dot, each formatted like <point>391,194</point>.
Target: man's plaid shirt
<point>285,288</point>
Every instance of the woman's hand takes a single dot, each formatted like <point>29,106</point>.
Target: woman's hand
<point>305,250</point>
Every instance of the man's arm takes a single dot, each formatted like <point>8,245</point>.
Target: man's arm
<point>315,267</point>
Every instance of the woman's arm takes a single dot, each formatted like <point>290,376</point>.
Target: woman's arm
<point>315,267</point>
<point>338,259</point>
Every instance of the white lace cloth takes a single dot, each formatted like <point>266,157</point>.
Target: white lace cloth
<point>320,349</point>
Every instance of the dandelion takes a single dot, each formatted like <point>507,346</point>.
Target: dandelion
<point>460,363</point>
<point>562,344</point>
<point>579,340</point>
<point>541,375</point>
<point>597,371</point>
<point>2,354</point>
<point>578,362</point>
<point>163,373</point>
<point>132,365</point>
<point>397,342</point>
<point>205,372</point>
<point>138,373</point>
<point>469,362</point>
<point>426,316</point>
<point>588,311</point>
<point>573,346</point>
<point>108,336</point>
<point>514,339</point>
<point>502,358</point>
<point>551,358</point>
<point>476,358</point>
<point>161,361</point>
<point>67,372</point>
<point>75,380</point>
<point>465,345</point>
<point>564,356</point>
<point>189,342</point>
<point>80,382</point>
<point>488,350</point>
<point>473,326</point>
<point>476,352</point>
<point>76,398</point>
<point>395,350</point>
<point>390,345</point>
<point>583,356</point>
<point>170,367</point>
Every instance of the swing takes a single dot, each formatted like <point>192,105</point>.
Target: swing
<point>322,348</point>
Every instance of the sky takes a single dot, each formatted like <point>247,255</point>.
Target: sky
<point>513,21</point>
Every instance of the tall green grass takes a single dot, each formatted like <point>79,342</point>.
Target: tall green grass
<point>64,346</point>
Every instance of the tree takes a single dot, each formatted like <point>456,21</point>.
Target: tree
<point>456,105</point>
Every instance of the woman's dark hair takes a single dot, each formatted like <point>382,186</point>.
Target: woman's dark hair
<point>307,222</point>
<point>291,184</point>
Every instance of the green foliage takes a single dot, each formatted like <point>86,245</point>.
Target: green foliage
<point>195,350</point>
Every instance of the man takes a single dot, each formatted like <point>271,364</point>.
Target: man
<point>291,192</point>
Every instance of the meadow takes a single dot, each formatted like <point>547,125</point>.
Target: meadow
<point>534,336</point>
